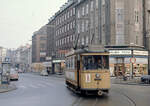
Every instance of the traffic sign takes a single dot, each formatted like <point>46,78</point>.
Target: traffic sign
<point>133,60</point>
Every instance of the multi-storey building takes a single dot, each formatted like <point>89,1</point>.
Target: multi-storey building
<point>39,45</point>
<point>50,37</point>
<point>146,23</point>
<point>116,24</point>
<point>65,29</point>
<point>92,21</point>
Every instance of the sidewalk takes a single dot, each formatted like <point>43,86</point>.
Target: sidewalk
<point>7,88</point>
<point>129,81</point>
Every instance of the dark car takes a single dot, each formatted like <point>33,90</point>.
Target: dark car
<point>145,79</point>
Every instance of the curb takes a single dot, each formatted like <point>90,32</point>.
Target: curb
<point>132,84</point>
<point>10,88</point>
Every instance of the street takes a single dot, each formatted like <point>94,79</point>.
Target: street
<point>35,90</point>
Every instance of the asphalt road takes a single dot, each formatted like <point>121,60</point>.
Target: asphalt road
<point>34,90</point>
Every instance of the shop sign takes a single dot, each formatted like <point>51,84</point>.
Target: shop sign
<point>143,53</point>
<point>120,52</point>
<point>58,61</point>
<point>48,58</point>
<point>47,64</point>
<point>42,53</point>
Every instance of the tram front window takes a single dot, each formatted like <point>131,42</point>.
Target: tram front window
<point>95,62</point>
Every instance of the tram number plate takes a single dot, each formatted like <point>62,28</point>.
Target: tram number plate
<point>97,79</point>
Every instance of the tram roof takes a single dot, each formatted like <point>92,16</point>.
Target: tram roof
<point>88,50</point>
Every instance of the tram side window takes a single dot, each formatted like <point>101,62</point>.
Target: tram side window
<point>70,63</point>
<point>95,62</point>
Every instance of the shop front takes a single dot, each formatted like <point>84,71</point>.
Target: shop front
<point>128,62</point>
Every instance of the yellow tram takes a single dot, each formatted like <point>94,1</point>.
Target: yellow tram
<point>87,71</point>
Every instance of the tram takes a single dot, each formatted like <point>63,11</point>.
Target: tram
<point>87,71</point>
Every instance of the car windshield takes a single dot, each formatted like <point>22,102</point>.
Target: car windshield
<point>95,62</point>
<point>13,72</point>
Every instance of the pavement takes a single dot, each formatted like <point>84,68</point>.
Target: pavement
<point>129,81</point>
<point>6,88</point>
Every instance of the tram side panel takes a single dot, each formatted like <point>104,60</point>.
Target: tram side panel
<point>90,82</point>
<point>70,72</point>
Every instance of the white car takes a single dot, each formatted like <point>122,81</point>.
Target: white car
<point>44,73</point>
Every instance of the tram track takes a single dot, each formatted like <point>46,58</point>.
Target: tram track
<point>77,101</point>
<point>95,103</point>
<point>130,100</point>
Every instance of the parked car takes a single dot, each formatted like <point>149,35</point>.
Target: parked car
<point>14,75</point>
<point>20,71</point>
<point>44,73</point>
<point>145,79</point>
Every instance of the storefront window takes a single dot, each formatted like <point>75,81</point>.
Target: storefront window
<point>95,62</point>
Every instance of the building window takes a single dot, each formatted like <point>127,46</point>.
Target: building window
<point>82,26</point>
<point>137,40</point>
<point>65,28</point>
<point>103,2</point>
<point>78,28</point>
<point>68,27</point>
<point>97,3</point>
<point>78,13</point>
<point>83,10</point>
<point>71,25</point>
<point>74,23</point>
<point>120,15</point>
<point>74,11</point>
<point>149,18</point>
<point>87,25</point>
<point>92,5</point>
<point>82,40</point>
<point>87,40</point>
<point>71,12</point>
<point>68,14</point>
<point>136,16</point>
<point>65,17</point>
<point>87,8</point>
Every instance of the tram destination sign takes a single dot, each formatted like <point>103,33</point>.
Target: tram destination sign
<point>120,52</point>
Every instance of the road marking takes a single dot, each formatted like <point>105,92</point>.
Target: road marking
<point>49,84</point>
<point>41,85</point>
<point>33,86</point>
<point>21,86</point>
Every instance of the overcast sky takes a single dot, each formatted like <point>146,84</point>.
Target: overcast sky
<point>20,18</point>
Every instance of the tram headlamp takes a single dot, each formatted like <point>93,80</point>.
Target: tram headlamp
<point>97,75</point>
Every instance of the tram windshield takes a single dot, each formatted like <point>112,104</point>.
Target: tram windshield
<point>95,62</point>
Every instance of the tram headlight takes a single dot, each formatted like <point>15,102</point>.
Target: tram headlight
<point>97,75</point>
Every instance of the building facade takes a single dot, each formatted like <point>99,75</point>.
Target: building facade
<point>65,29</point>
<point>115,24</point>
<point>39,45</point>
<point>50,37</point>
<point>146,23</point>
